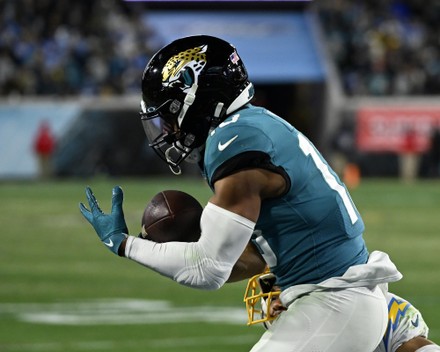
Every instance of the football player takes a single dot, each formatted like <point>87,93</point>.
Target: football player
<point>270,185</point>
<point>406,330</point>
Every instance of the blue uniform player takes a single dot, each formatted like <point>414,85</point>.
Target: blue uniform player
<point>271,187</point>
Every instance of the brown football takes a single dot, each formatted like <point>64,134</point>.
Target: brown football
<point>172,215</point>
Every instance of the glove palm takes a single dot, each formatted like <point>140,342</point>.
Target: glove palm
<point>111,228</point>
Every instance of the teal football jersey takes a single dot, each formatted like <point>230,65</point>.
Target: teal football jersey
<point>313,231</point>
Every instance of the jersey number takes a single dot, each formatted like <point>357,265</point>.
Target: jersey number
<point>308,149</point>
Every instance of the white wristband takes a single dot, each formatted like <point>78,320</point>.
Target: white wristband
<point>205,264</point>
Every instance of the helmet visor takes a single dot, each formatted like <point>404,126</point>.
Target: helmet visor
<point>152,120</point>
<point>167,140</point>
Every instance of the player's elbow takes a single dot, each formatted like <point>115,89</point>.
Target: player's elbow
<point>205,275</point>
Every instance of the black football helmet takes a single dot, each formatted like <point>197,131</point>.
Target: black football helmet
<point>188,88</point>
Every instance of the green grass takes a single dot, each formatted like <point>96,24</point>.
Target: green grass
<point>51,261</point>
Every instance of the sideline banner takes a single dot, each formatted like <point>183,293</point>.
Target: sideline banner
<point>395,128</point>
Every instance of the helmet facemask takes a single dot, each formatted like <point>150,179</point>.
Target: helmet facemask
<point>258,298</point>
<point>170,143</point>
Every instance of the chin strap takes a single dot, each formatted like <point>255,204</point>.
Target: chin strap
<point>187,102</point>
<point>219,110</point>
<point>175,169</point>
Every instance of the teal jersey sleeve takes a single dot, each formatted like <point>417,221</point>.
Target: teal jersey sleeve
<point>233,137</point>
<point>313,231</point>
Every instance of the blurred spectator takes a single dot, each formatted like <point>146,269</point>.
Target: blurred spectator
<point>44,146</point>
<point>434,155</point>
<point>385,47</point>
<point>50,47</point>
<point>344,146</point>
<point>409,158</point>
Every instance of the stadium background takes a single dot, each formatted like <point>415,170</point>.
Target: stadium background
<point>361,80</point>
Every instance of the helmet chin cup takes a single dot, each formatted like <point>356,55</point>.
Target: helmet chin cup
<point>176,153</point>
<point>175,168</point>
<point>192,157</point>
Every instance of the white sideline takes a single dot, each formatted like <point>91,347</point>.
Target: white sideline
<point>120,311</point>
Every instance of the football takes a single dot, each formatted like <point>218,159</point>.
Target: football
<point>172,215</point>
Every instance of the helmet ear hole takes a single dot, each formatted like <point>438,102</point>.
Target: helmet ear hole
<point>175,106</point>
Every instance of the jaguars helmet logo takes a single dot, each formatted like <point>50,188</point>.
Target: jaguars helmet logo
<point>182,70</point>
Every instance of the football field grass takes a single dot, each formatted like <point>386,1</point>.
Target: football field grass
<point>62,290</point>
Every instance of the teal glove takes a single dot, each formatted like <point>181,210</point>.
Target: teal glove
<point>111,228</point>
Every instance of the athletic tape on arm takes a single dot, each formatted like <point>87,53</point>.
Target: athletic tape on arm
<point>205,264</point>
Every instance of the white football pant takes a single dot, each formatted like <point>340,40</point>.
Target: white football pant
<point>335,320</point>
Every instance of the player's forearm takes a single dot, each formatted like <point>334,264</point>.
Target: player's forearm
<point>183,262</point>
<point>205,264</point>
<point>176,260</point>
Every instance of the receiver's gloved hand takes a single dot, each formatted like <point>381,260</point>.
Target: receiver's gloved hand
<point>111,228</point>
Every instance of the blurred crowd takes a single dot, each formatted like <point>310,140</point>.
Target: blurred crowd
<point>48,47</point>
<point>51,47</point>
<point>385,47</point>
